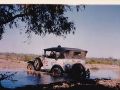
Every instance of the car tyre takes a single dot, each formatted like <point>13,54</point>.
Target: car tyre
<point>37,64</point>
<point>30,66</point>
<point>78,71</point>
<point>56,71</point>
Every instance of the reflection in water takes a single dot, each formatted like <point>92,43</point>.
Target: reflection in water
<point>32,77</point>
<point>33,73</point>
<point>45,78</point>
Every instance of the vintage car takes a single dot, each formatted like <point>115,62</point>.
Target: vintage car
<point>60,60</point>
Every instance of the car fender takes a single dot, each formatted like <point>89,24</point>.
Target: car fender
<point>31,62</point>
<point>80,65</point>
<point>56,65</point>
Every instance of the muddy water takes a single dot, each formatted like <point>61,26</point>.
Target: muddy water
<point>22,78</point>
<point>105,73</point>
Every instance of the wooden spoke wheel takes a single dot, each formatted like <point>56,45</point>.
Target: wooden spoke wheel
<point>30,66</point>
<point>37,64</point>
<point>56,71</point>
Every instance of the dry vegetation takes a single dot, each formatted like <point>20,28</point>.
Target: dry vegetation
<point>109,61</point>
<point>17,57</point>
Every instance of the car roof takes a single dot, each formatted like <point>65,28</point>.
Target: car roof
<point>63,49</point>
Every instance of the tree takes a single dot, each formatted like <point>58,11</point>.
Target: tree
<point>40,19</point>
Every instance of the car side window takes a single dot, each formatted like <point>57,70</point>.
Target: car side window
<point>72,55</point>
<point>55,55</point>
<point>52,54</point>
<point>61,56</point>
<point>77,55</point>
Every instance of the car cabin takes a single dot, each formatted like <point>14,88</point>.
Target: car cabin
<point>65,52</point>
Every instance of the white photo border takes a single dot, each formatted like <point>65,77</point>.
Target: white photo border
<point>71,2</point>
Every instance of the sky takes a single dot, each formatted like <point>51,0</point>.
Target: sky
<point>97,31</point>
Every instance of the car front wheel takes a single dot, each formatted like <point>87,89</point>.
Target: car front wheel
<point>30,67</point>
<point>37,64</point>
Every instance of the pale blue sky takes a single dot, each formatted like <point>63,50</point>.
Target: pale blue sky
<point>97,30</point>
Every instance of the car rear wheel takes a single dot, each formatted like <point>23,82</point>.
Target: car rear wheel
<point>78,71</point>
<point>56,71</point>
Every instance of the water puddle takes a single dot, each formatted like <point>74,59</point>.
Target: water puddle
<point>22,78</point>
<point>105,73</point>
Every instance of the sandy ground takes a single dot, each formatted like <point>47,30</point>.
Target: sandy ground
<point>12,65</point>
<point>21,65</point>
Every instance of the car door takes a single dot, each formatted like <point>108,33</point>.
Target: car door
<point>48,63</point>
